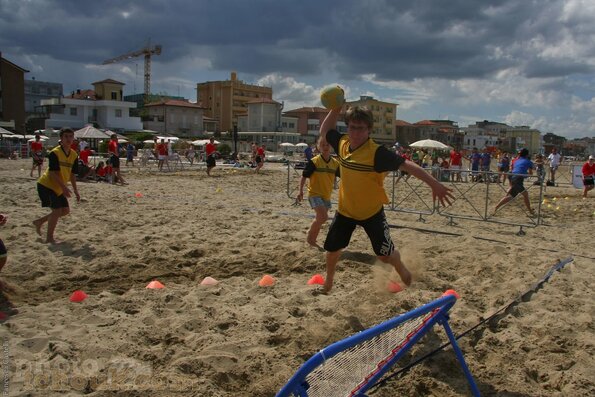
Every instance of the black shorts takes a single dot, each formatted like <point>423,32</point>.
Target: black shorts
<point>3,252</point>
<point>114,161</point>
<point>258,159</point>
<point>516,185</point>
<point>37,159</point>
<point>211,161</point>
<point>588,181</point>
<point>49,198</point>
<point>376,228</point>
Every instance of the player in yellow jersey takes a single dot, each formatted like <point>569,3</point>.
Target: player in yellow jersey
<point>52,185</point>
<point>363,166</point>
<point>321,170</point>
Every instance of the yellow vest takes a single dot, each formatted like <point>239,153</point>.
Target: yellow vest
<point>66,163</point>
<point>361,193</point>
<point>323,178</point>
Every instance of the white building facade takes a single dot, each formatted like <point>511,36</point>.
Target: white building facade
<point>76,113</point>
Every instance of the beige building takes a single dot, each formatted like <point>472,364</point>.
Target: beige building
<point>225,100</point>
<point>262,114</point>
<point>525,137</point>
<point>176,117</point>
<point>109,90</point>
<point>385,115</point>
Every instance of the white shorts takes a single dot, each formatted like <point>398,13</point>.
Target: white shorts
<point>163,157</point>
<point>455,167</point>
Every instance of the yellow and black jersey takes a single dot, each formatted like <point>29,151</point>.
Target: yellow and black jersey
<point>322,176</point>
<point>361,193</point>
<point>59,161</point>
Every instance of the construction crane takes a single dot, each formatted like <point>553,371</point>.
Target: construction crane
<point>147,51</point>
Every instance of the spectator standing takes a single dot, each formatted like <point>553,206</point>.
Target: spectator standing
<point>588,175</point>
<point>130,153</point>
<point>554,160</point>
<point>455,164</point>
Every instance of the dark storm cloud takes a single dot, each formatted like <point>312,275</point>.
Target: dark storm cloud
<point>395,40</point>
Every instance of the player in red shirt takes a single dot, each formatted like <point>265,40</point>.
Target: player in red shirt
<point>588,175</point>
<point>37,154</point>
<point>161,149</point>
<point>84,155</point>
<point>260,153</point>
<point>456,164</point>
<point>210,151</point>
<point>113,150</point>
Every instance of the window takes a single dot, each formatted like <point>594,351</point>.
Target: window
<point>118,112</point>
<point>114,97</point>
<point>73,111</point>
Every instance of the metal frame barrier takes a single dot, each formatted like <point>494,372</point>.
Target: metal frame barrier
<point>413,192</point>
<point>291,164</point>
<point>488,180</point>
<point>471,181</point>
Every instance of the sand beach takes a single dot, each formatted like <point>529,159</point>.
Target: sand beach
<point>239,339</point>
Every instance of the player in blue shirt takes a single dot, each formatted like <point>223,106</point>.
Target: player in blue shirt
<point>521,168</point>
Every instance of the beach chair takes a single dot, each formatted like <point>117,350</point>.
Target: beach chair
<point>353,365</point>
<point>175,161</point>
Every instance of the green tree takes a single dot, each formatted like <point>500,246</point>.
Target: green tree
<point>224,149</point>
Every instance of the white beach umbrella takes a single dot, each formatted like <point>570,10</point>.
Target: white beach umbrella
<point>301,144</point>
<point>202,142</point>
<point>286,144</point>
<point>90,132</point>
<point>5,132</point>
<point>429,144</point>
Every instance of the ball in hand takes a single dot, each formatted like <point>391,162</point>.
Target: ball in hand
<point>332,97</point>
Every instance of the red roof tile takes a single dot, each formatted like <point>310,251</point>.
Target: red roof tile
<point>82,94</point>
<point>426,122</point>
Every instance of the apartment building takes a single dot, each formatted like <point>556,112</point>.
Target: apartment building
<point>102,107</point>
<point>262,114</point>
<point>177,117</point>
<point>36,90</point>
<point>526,137</point>
<point>12,96</point>
<point>385,114</point>
<point>225,100</point>
<point>406,133</point>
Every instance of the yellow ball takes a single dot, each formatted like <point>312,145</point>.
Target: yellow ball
<point>332,97</point>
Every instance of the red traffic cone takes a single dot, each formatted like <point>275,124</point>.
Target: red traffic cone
<point>78,296</point>
<point>394,287</point>
<point>155,285</point>
<point>209,281</point>
<point>266,281</point>
<point>451,292</point>
<point>316,279</point>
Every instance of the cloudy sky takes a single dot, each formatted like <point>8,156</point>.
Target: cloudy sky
<point>529,62</point>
